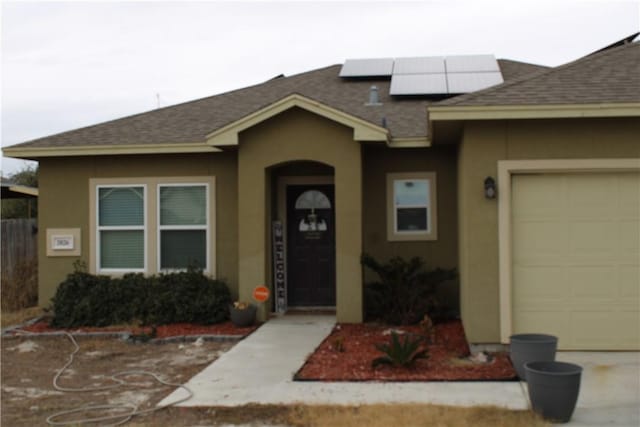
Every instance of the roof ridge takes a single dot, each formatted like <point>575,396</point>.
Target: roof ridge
<point>522,62</point>
<point>534,75</point>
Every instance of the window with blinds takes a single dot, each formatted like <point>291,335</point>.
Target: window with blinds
<point>152,224</point>
<point>182,226</point>
<point>121,228</point>
<point>411,206</point>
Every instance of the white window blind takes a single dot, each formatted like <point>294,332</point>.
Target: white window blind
<point>183,226</point>
<point>121,227</point>
<point>411,205</point>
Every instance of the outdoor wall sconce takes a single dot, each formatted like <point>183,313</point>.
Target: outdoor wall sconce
<point>489,188</point>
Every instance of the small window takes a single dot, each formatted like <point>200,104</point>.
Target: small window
<point>411,206</point>
<point>183,226</point>
<point>121,228</point>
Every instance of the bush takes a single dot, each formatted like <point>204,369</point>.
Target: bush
<point>75,301</point>
<point>88,300</point>
<point>189,297</point>
<point>405,292</point>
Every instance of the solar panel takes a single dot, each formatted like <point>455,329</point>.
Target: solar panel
<point>418,84</point>
<point>471,63</point>
<point>367,67</point>
<point>426,65</point>
<point>434,75</point>
<point>470,82</point>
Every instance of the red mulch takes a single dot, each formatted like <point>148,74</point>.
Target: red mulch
<point>444,363</point>
<point>163,331</point>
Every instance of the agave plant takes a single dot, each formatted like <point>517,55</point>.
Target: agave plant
<point>400,352</point>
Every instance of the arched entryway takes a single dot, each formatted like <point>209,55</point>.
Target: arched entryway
<point>309,143</point>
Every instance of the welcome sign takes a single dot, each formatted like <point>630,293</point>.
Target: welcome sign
<point>279,267</point>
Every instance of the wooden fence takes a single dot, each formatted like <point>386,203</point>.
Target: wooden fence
<point>19,263</point>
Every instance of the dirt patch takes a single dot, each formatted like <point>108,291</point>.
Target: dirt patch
<point>28,396</point>
<point>25,346</point>
<point>346,355</point>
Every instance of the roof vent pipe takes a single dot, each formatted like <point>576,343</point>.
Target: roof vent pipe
<point>373,96</point>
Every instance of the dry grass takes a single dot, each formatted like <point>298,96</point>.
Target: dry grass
<point>17,317</point>
<point>19,286</point>
<point>410,416</point>
<point>343,416</point>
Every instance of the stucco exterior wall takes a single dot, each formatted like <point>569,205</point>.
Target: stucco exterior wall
<point>64,203</point>
<point>484,143</point>
<point>292,136</point>
<point>378,161</point>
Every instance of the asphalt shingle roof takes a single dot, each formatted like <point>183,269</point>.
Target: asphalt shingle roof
<point>191,122</point>
<point>607,76</point>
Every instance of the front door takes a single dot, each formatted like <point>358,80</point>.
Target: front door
<point>311,251</point>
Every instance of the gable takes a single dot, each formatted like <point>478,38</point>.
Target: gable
<point>362,130</point>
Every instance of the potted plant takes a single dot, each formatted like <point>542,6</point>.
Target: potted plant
<point>553,389</point>
<point>242,313</point>
<point>531,348</point>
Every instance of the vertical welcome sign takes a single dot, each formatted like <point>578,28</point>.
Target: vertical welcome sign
<point>279,267</point>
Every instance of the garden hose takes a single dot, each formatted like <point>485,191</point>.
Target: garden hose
<point>119,381</point>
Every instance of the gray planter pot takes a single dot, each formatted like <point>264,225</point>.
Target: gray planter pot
<point>553,389</point>
<point>531,348</point>
<point>243,318</point>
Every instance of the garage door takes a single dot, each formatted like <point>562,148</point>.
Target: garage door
<point>576,255</point>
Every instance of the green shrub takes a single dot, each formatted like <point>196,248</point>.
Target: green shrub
<point>73,302</point>
<point>400,352</point>
<point>189,297</point>
<point>405,292</point>
<point>88,300</point>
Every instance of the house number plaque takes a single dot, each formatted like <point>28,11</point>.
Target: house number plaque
<point>62,243</point>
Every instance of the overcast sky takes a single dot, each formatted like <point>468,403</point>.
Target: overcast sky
<point>71,64</point>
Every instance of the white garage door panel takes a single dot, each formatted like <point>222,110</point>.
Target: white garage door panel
<point>629,279</point>
<point>586,282</point>
<point>628,232</point>
<point>601,329</point>
<point>554,322</point>
<point>541,239</point>
<point>539,283</point>
<point>576,258</point>
<point>592,237</point>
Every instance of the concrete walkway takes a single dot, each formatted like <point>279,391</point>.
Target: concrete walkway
<point>260,368</point>
<point>609,390</point>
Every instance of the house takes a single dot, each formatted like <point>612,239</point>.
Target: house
<point>11,190</point>
<point>524,178</point>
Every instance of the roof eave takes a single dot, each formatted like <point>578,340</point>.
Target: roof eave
<point>23,191</point>
<point>553,111</point>
<point>410,142</point>
<point>21,152</point>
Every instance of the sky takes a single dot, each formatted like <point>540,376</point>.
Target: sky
<point>72,64</point>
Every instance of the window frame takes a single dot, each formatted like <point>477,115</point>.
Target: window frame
<point>99,229</point>
<point>161,227</point>
<point>151,219</point>
<point>431,233</point>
